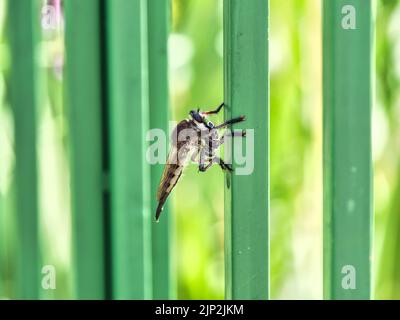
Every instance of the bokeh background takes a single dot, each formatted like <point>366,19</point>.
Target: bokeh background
<point>196,80</point>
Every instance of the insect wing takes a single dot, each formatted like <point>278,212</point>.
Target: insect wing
<point>184,145</point>
<point>171,174</point>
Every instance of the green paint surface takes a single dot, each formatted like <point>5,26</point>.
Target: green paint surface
<point>23,31</point>
<point>158,28</point>
<point>130,172</point>
<point>83,97</point>
<point>347,150</point>
<point>247,196</point>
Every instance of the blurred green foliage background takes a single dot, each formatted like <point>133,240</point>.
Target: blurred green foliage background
<point>196,80</point>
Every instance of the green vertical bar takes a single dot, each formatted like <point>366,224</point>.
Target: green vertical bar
<point>2,244</point>
<point>23,30</point>
<point>158,21</point>
<point>83,100</point>
<point>347,77</point>
<point>130,173</point>
<point>2,193</point>
<point>247,196</point>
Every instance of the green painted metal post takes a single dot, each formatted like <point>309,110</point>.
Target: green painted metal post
<point>158,28</point>
<point>2,244</point>
<point>84,104</point>
<point>24,34</point>
<point>347,78</point>
<point>247,195</point>
<point>130,173</point>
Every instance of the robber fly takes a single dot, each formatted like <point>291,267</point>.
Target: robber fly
<point>193,139</point>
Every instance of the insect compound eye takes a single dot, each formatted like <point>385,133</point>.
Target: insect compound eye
<point>196,116</point>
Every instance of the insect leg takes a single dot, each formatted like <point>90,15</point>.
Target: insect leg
<point>204,168</point>
<point>238,133</point>
<point>202,158</point>
<point>232,134</point>
<point>231,121</point>
<point>216,110</point>
<point>224,166</point>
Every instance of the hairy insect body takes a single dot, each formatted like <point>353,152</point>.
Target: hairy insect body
<point>191,139</point>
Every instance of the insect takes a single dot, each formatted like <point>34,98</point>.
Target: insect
<point>196,139</point>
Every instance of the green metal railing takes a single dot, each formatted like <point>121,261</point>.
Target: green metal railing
<point>158,29</point>
<point>129,171</point>
<point>84,104</point>
<point>24,37</point>
<point>347,149</point>
<point>117,88</point>
<point>247,196</point>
